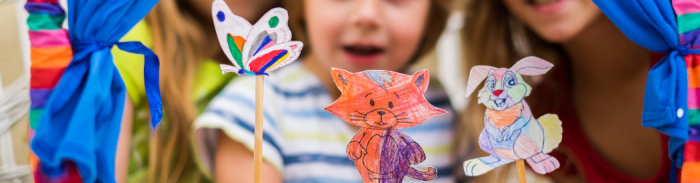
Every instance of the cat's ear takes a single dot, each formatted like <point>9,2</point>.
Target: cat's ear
<point>531,66</point>
<point>421,79</point>
<point>341,78</point>
<point>476,75</point>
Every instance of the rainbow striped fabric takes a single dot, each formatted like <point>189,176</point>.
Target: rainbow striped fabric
<point>50,55</point>
<point>688,17</point>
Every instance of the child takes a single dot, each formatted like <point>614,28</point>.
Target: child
<point>596,87</point>
<point>182,35</point>
<point>302,142</point>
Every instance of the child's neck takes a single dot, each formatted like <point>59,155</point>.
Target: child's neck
<point>608,74</point>
<point>323,73</point>
<point>603,56</point>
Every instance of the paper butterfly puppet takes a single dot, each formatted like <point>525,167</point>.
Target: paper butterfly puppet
<point>511,132</point>
<point>382,102</point>
<point>255,49</point>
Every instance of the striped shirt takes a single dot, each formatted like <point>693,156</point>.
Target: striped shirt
<point>302,140</point>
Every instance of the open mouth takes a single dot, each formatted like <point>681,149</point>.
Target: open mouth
<point>363,54</point>
<point>499,102</point>
<point>363,50</point>
<point>541,2</point>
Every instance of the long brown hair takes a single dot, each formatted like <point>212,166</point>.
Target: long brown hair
<point>437,19</point>
<point>494,37</point>
<point>180,42</point>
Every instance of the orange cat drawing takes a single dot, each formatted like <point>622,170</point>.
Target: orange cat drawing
<point>382,102</point>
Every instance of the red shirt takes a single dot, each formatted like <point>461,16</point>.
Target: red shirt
<point>577,157</point>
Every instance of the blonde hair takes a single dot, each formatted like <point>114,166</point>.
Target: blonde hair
<point>494,37</point>
<point>180,42</point>
<point>435,24</point>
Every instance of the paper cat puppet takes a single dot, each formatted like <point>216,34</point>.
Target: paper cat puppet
<point>511,132</point>
<point>254,49</point>
<point>382,102</point>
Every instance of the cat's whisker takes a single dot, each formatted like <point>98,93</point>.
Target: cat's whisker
<point>359,112</point>
<point>400,114</point>
<point>356,119</point>
<point>355,116</point>
<point>402,118</point>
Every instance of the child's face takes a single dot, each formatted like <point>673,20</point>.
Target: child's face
<point>358,35</point>
<point>556,21</point>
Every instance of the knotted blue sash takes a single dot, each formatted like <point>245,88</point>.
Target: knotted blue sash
<point>82,116</point>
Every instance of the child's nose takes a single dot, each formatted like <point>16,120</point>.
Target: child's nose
<point>366,14</point>
<point>381,113</point>
<point>497,92</point>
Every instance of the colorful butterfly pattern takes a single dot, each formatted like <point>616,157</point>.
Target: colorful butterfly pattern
<point>255,49</point>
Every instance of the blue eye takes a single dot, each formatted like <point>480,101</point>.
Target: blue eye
<point>510,81</point>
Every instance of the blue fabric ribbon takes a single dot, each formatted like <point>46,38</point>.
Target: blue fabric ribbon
<point>150,72</point>
<point>652,24</point>
<point>82,117</point>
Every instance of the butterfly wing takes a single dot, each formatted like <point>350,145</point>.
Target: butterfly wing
<point>276,56</point>
<point>270,30</point>
<point>231,30</point>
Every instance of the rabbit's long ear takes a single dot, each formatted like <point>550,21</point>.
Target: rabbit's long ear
<point>476,75</point>
<point>532,66</point>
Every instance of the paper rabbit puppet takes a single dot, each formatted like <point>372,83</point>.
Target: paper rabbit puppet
<point>511,132</point>
<point>382,102</point>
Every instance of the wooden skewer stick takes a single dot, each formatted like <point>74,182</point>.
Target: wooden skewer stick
<point>257,154</point>
<point>521,170</point>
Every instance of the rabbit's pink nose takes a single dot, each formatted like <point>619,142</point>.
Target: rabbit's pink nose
<point>497,92</point>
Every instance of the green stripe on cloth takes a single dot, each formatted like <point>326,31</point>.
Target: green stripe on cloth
<point>34,117</point>
<point>40,21</point>
<point>693,117</point>
<point>688,22</point>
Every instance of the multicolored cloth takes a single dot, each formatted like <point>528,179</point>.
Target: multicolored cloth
<point>688,17</point>
<point>672,98</point>
<point>77,93</point>
<point>51,53</point>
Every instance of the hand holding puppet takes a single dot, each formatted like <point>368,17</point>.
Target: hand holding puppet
<point>382,102</point>
<point>511,132</point>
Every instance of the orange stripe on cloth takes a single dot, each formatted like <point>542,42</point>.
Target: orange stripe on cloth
<point>51,57</point>
<point>693,77</point>
<point>45,77</point>
<point>689,172</point>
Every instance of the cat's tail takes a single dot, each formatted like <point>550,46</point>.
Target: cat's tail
<point>422,175</point>
<point>552,131</point>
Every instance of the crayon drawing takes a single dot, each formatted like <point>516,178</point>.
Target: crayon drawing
<point>255,49</point>
<point>511,132</point>
<point>382,102</point>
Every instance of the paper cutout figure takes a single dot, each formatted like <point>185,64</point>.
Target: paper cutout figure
<point>511,132</point>
<point>382,102</point>
<point>255,49</point>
